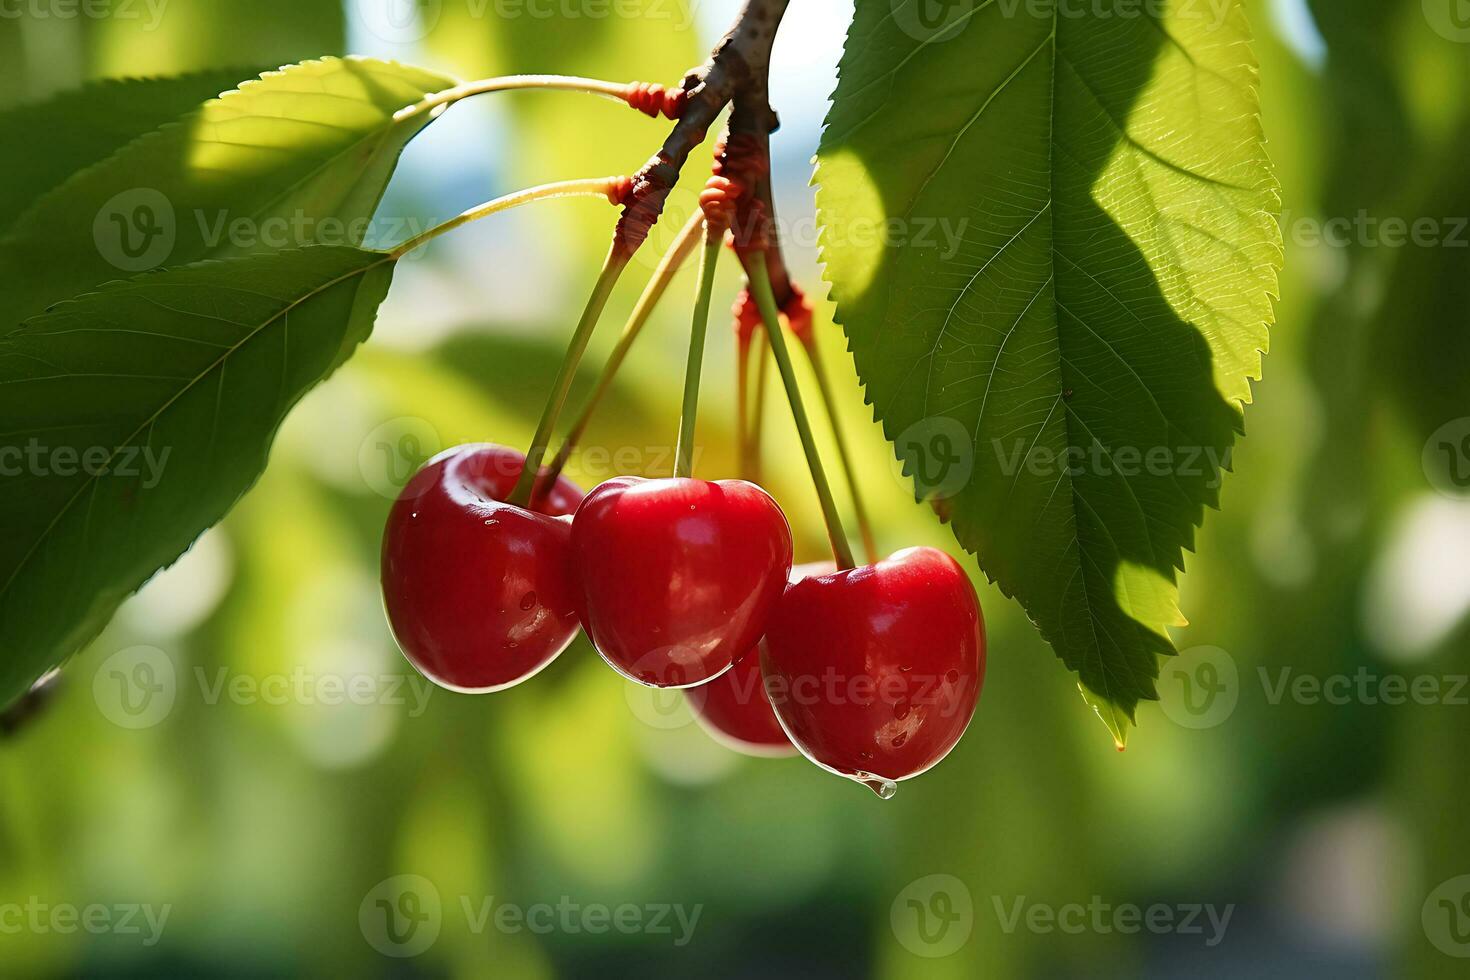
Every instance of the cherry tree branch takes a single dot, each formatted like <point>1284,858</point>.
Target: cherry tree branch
<point>736,72</point>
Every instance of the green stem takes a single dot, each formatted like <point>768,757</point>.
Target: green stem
<point>758,412</point>
<point>588,187</point>
<point>684,451</point>
<point>668,267</point>
<point>612,267</point>
<point>865,529</point>
<point>506,83</point>
<point>742,410</point>
<point>761,285</point>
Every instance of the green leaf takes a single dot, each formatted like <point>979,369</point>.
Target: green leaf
<point>1050,241</point>
<point>296,157</point>
<point>137,415</point>
<point>76,129</point>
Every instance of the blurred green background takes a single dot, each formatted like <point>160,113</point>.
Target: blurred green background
<point>579,826</point>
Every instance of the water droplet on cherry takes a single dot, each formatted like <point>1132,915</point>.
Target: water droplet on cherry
<point>528,600</point>
<point>885,788</point>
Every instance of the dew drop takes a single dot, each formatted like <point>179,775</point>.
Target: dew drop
<point>953,677</point>
<point>901,710</point>
<point>528,600</point>
<point>906,669</point>
<point>899,739</point>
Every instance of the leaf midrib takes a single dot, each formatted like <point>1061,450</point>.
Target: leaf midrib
<point>421,105</point>
<point>1075,543</point>
<point>157,413</point>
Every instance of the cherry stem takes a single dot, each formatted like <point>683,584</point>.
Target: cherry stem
<point>668,267</point>
<point>758,414</point>
<point>589,187</point>
<point>742,410</point>
<point>760,282</point>
<point>612,267</point>
<point>684,448</point>
<point>865,529</point>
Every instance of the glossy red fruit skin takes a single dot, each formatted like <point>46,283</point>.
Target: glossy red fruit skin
<point>874,671</point>
<point>678,576</point>
<point>734,708</point>
<point>735,711</point>
<point>479,593</point>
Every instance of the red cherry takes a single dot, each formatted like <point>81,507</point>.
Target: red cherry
<point>734,708</point>
<point>735,711</point>
<point>479,592</point>
<point>874,671</point>
<point>678,575</point>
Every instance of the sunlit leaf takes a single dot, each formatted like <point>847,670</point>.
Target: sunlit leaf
<point>296,157</point>
<point>76,129</point>
<point>1050,241</point>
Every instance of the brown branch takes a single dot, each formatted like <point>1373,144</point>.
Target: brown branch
<point>736,72</point>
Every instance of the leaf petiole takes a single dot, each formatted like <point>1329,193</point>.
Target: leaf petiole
<point>617,91</point>
<point>588,187</point>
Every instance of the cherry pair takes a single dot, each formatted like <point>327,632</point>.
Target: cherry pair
<point>871,672</point>
<point>673,579</point>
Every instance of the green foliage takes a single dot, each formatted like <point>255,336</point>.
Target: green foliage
<point>299,156</point>
<point>81,127</point>
<point>1106,298</point>
<point>1422,333</point>
<point>233,811</point>
<point>143,411</point>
